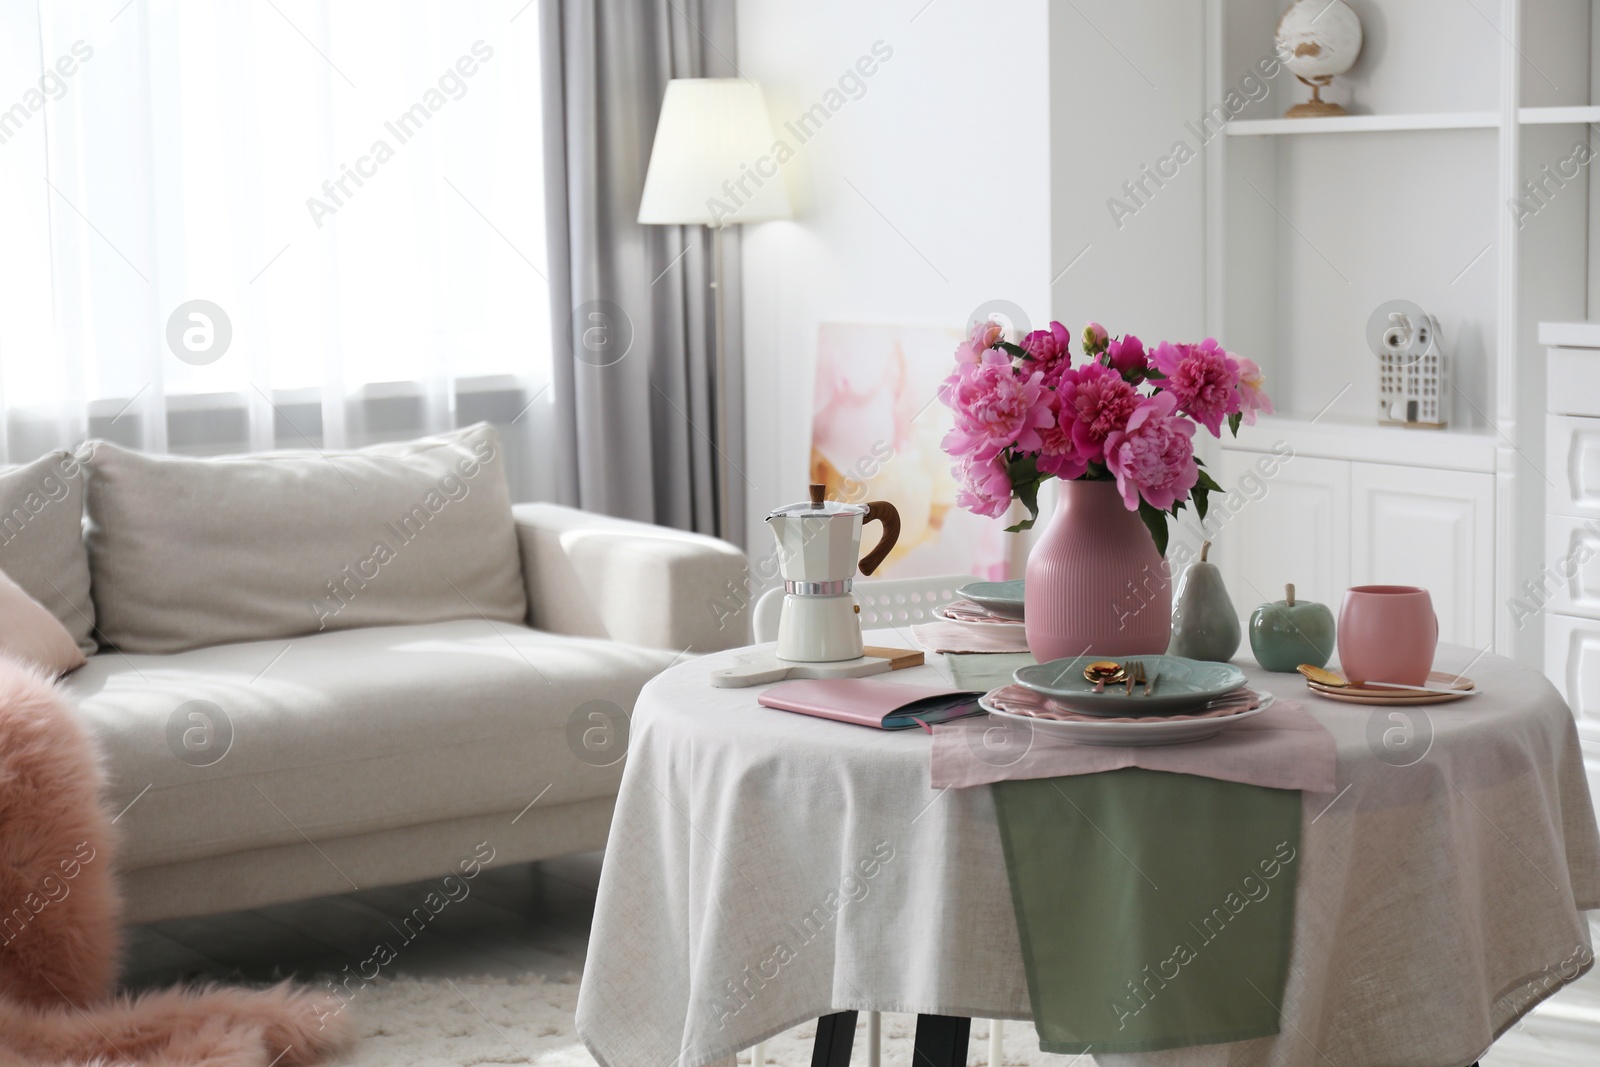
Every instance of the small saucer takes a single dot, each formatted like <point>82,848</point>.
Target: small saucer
<point>1358,694</point>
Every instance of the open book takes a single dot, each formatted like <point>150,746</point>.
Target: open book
<point>871,702</point>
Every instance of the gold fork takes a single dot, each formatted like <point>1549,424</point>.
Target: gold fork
<point>1135,675</point>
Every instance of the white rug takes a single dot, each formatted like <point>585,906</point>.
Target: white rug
<point>468,1021</point>
<point>463,1022</point>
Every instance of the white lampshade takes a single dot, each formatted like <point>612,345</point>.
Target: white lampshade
<point>713,161</point>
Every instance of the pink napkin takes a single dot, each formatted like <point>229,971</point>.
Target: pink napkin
<point>1282,748</point>
<point>969,637</point>
<point>967,611</point>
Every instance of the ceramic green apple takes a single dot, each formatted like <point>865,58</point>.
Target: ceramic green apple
<point>1204,624</point>
<point>1289,632</point>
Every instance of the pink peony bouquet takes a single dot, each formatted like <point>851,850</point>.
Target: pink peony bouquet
<point>1023,414</point>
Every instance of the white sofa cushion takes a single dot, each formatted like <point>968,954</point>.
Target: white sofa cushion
<point>338,734</point>
<point>41,540</point>
<point>187,552</point>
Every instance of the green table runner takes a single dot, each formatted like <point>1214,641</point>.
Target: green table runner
<point>1155,910</point>
<point>984,671</point>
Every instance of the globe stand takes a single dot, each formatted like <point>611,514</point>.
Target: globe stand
<point>1316,107</point>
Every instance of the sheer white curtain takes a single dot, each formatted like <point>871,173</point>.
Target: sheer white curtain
<point>352,189</point>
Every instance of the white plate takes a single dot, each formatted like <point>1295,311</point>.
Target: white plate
<point>1004,626</point>
<point>1133,734</point>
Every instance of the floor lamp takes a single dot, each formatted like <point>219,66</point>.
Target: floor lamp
<point>714,164</point>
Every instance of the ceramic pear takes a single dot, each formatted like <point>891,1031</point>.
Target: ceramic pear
<point>1289,632</point>
<point>1204,624</point>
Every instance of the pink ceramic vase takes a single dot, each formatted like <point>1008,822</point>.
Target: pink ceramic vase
<point>1096,586</point>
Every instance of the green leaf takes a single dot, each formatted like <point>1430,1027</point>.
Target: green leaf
<point>1234,420</point>
<point>1025,480</point>
<point>1025,524</point>
<point>1208,483</point>
<point>1201,502</point>
<point>1028,493</point>
<point>1014,350</point>
<point>1151,372</point>
<point>1155,521</point>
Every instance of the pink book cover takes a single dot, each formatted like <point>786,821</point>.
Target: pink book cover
<point>869,702</point>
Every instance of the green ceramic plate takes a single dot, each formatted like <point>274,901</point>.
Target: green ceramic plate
<point>1181,685</point>
<point>1002,598</point>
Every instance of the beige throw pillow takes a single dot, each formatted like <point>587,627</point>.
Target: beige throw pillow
<point>187,552</point>
<point>31,634</point>
<point>41,540</point>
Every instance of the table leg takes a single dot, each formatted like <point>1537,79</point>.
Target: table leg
<point>941,1040</point>
<point>836,1034</point>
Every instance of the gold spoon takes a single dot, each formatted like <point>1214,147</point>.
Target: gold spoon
<point>1102,671</point>
<point>1335,680</point>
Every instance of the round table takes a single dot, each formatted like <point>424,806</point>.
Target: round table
<point>766,868</point>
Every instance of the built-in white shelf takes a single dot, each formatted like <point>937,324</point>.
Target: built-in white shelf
<point>1330,438</point>
<point>1437,120</point>
<point>1558,116</point>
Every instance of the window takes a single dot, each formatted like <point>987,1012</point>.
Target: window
<point>269,223</point>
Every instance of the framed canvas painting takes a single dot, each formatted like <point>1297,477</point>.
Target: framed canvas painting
<point>875,431</point>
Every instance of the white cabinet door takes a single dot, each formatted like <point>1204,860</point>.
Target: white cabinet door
<point>1284,520</point>
<point>1430,528</point>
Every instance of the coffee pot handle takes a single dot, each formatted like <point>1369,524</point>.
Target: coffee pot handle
<point>884,512</point>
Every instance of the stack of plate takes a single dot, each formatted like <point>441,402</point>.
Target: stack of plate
<point>995,606</point>
<point>1190,701</point>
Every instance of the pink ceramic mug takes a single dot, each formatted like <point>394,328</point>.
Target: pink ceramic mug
<point>1387,633</point>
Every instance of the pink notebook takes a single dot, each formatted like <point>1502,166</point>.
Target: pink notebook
<point>869,702</point>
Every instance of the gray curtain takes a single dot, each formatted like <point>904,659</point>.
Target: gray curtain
<point>634,374</point>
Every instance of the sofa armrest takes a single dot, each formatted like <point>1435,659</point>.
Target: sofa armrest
<point>592,576</point>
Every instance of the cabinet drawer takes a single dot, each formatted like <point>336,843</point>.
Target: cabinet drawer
<point>1573,381</point>
<point>1572,662</point>
<point>1572,459</point>
<point>1570,583</point>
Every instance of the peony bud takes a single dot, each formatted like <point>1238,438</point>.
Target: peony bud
<point>1094,339</point>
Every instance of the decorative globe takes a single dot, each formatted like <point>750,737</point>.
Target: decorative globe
<point>1319,38</point>
<point>1316,40</point>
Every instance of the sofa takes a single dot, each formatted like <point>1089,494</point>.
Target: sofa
<point>315,671</point>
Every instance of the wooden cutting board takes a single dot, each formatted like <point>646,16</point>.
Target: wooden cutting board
<point>764,666</point>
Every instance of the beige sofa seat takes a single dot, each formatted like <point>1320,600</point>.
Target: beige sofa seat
<point>351,732</point>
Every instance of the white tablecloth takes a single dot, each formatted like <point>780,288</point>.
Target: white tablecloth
<point>765,868</point>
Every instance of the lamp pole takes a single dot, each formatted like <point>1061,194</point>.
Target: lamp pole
<point>723,493</point>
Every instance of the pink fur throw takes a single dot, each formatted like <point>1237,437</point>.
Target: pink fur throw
<point>60,932</point>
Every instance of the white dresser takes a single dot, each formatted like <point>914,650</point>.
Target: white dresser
<point>1567,593</point>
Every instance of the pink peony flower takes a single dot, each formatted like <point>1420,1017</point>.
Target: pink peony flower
<point>1153,457</point>
<point>1058,455</point>
<point>984,487</point>
<point>1094,339</point>
<point>1127,354</point>
<point>996,408</point>
<point>1252,398</point>
<point>1203,378</point>
<point>1096,401</point>
<point>980,338</point>
<point>1050,352</point>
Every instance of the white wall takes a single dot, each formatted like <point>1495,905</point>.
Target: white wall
<point>925,197</point>
<point>1125,78</point>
